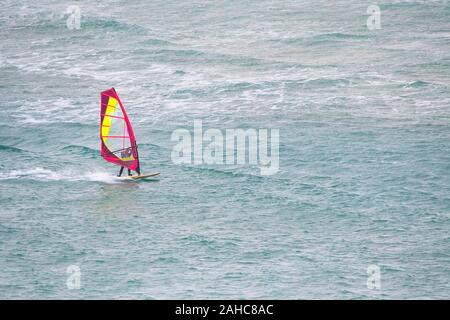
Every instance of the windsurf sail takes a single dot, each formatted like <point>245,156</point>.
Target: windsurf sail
<point>118,143</point>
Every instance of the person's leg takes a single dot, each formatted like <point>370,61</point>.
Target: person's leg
<point>129,172</point>
<point>120,172</point>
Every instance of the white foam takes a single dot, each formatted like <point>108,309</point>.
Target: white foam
<point>58,110</point>
<point>42,174</point>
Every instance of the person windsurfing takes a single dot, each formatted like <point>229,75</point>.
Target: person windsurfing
<point>125,154</point>
<point>118,143</point>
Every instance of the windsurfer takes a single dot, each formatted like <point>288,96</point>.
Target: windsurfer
<point>114,121</point>
<point>125,154</point>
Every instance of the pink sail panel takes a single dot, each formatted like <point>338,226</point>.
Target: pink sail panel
<point>118,143</point>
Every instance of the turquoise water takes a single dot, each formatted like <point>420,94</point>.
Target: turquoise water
<point>364,173</point>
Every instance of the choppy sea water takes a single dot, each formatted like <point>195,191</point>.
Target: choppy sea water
<point>364,173</point>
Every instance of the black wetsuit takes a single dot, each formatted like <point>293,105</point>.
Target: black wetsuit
<point>121,170</point>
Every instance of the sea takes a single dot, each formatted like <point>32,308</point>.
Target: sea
<point>359,207</point>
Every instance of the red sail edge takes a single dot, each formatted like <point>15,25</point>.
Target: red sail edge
<point>125,155</point>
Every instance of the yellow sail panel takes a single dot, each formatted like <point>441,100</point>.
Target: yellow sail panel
<point>107,120</point>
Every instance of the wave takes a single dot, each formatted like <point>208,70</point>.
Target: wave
<point>155,42</point>
<point>339,35</point>
<point>327,82</point>
<point>412,4</point>
<point>92,22</point>
<point>44,20</point>
<point>334,37</point>
<point>10,148</point>
<point>236,172</point>
<point>42,174</point>
<point>81,150</point>
<point>61,111</point>
<point>173,54</point>
<point>321,38</point>
<point>417,84</point>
